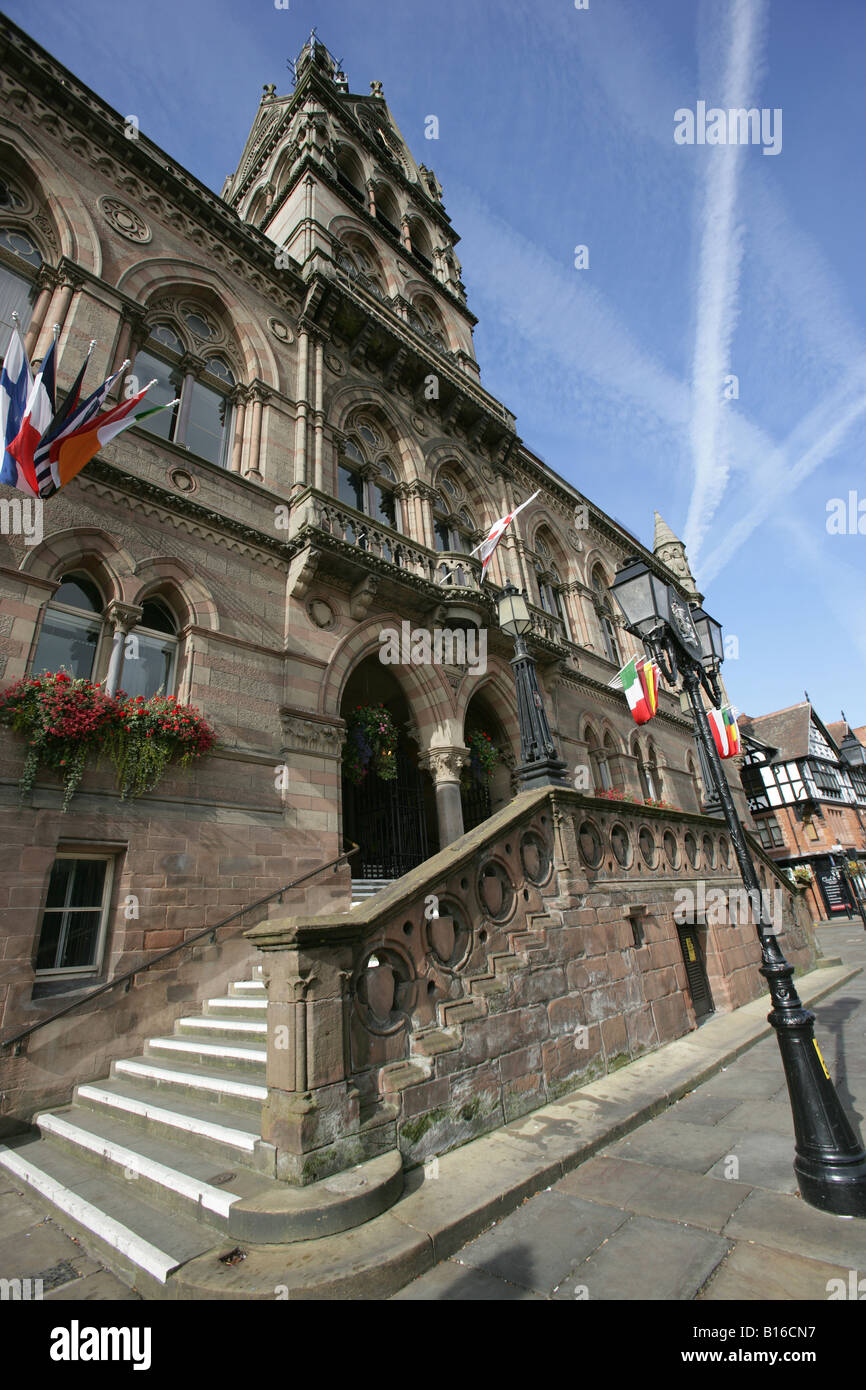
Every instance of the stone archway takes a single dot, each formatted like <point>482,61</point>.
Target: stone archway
<point>480,797</point>
<point>392,820</point>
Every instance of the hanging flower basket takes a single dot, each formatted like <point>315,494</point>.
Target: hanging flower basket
<point>484,758</point>
<point>803,874</point>
<point>69,722</point>
<point>371,745</point>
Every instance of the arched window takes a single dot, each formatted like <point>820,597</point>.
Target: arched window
<point>653,775</point>
<point>365,480</point>
<point>642,772</point>
<point>350,174</point>
<point>422,247</point>
<point>597,761</point>
<point>425,318</point>
<point>454,530</point>
<point>549,583</point>
<point>604,614</point>
<point>201,421</point>
<point>387,209</point>
<point>150,653</point>
<point>16,285</point>
<point>69,637</point>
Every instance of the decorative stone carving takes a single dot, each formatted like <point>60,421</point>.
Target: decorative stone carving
<point>362,596</point>
<point>124,220</point>
<point>333,364</point>
<point>281,331</point>
<point>321,613</point>
<point>305,735</point>
<point>183,481</point>
<point>444,764</point>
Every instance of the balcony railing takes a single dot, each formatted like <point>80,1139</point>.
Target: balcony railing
<point>356,529</point>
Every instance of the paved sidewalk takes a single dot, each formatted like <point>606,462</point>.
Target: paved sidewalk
<point>699,1202</point>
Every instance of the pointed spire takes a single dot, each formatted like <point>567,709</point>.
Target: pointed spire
<point>669,549</point>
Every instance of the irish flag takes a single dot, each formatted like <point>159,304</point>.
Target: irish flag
<point>726,735</point>
<point>640,682</point>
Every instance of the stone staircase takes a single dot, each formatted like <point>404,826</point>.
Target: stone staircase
<point>487,993</point>
<point>154,1166</point>
<point>364,888</point>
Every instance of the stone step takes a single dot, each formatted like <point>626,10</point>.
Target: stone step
<point>229,1134</point>
<point>188,1078</point>
<point>396,1076</point>
<point>461,1011</point>
<point>138,1238</point>
<point>226,1030</point>
<point>435,1040</point>
<point>237,1007</point>
<point>179,1174</point>
<point>243,989</point>
<point>236,1056</point>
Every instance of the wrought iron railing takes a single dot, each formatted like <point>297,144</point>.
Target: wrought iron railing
<point>16,1041</point>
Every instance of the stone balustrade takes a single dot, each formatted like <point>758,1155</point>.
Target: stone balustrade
<point>537,951</point>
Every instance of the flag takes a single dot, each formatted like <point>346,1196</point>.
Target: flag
<point>726,735</point>
<point>649,679</point>
<point>70,452</point>
<point>74,419</point>
<point>61,416</point>
<point>38,414</point>
<point>635,693</point>
<point>496,533</point>
<point>16,381</point>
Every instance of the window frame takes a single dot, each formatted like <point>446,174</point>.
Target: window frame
<point>81,617</point>
<point>98,953</point>
<point>169,357</point>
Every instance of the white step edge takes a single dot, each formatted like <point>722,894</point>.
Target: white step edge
<point>254,986</point>
<point>231,1025</point>
<point>215,1199</point>
<point>148,1257</point>
<point>188,1124</point>
<point>150,1072</point>
<point>247,1054</point>
<point>260,1005</point>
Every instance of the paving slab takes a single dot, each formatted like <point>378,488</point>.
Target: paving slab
<point>698,1108</point>
<point>769,1116</point>
<point>646,1259</point>
<point>654,1191</point>
<point>99,1287</point>
<point>750,1273</point>
<point>453,1282</point>
<point>763,1160</point>
<point>672,1144</point>
<point>42,1246</point>
<point>787,1223</point>
<point>537,1246</point>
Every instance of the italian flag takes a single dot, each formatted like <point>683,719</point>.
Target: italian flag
<point>640,681</point>
<point>69,453</point>
<point>726,735</point>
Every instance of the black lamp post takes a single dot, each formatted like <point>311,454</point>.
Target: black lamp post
<point>541,765</point>
<point>829,1159</point>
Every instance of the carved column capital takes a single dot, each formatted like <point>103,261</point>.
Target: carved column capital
<point>444,764</point>
<point>123,615</point>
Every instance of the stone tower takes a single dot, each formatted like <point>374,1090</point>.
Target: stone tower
<point>670,550</point>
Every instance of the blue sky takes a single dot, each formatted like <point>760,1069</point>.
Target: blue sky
<point>556,129</point>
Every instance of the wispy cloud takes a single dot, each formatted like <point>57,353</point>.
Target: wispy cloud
<point>720,259</point>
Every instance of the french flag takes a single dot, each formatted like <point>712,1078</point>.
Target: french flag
<point>16,383</point>
<point>38,414</point>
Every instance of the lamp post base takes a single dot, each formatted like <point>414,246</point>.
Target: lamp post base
<point>545,772</point>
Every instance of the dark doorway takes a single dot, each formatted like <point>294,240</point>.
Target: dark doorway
<point>696,972</point>
<point>393,822</point>
<point>480,795</point>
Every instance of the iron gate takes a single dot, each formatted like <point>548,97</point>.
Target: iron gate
<point>387,820</point>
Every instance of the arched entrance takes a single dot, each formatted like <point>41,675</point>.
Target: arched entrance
<point>393,822</point>
<point>479,795</point>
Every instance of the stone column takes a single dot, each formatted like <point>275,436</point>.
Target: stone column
<point>133,332</point>
<point>69,281</point>
<point>190,366</point>
<point>259,396</point>
<point>444,766</point>
<point>46,281</point>
<point>318,413</point>
<point>122,616</point>
<point>239,401</point>
<point>303,405</point>
<point>311,1124</point>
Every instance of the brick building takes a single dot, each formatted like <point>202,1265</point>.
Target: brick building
<point>332,460</point>
<point>806,784</point>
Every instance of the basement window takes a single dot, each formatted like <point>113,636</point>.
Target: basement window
<point>76,915</point>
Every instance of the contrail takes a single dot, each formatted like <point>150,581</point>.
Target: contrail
<point>718,284</point>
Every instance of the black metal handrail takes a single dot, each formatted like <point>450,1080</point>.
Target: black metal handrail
<point>126,979</point>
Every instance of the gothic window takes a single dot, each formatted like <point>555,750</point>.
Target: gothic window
<point>16,285</point>
<point>387,209</point>
<point>200,422</point>
<point>368,483</point>
<point>604,614</point>
<point>597,761</point>
<point>425,318</point>
<point>549,583</point>
<point>350,174</point>
<point>362,266</point>
<point>653,775</point>
<point>150,653</point>
<point>453,531</point>
<point>69,637</point>
<point>422,247</point>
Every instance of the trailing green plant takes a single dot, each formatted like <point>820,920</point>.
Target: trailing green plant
<point>69,721</point>
<point>370,744</point>
<point>484,757</point>
<point>150,735</point>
